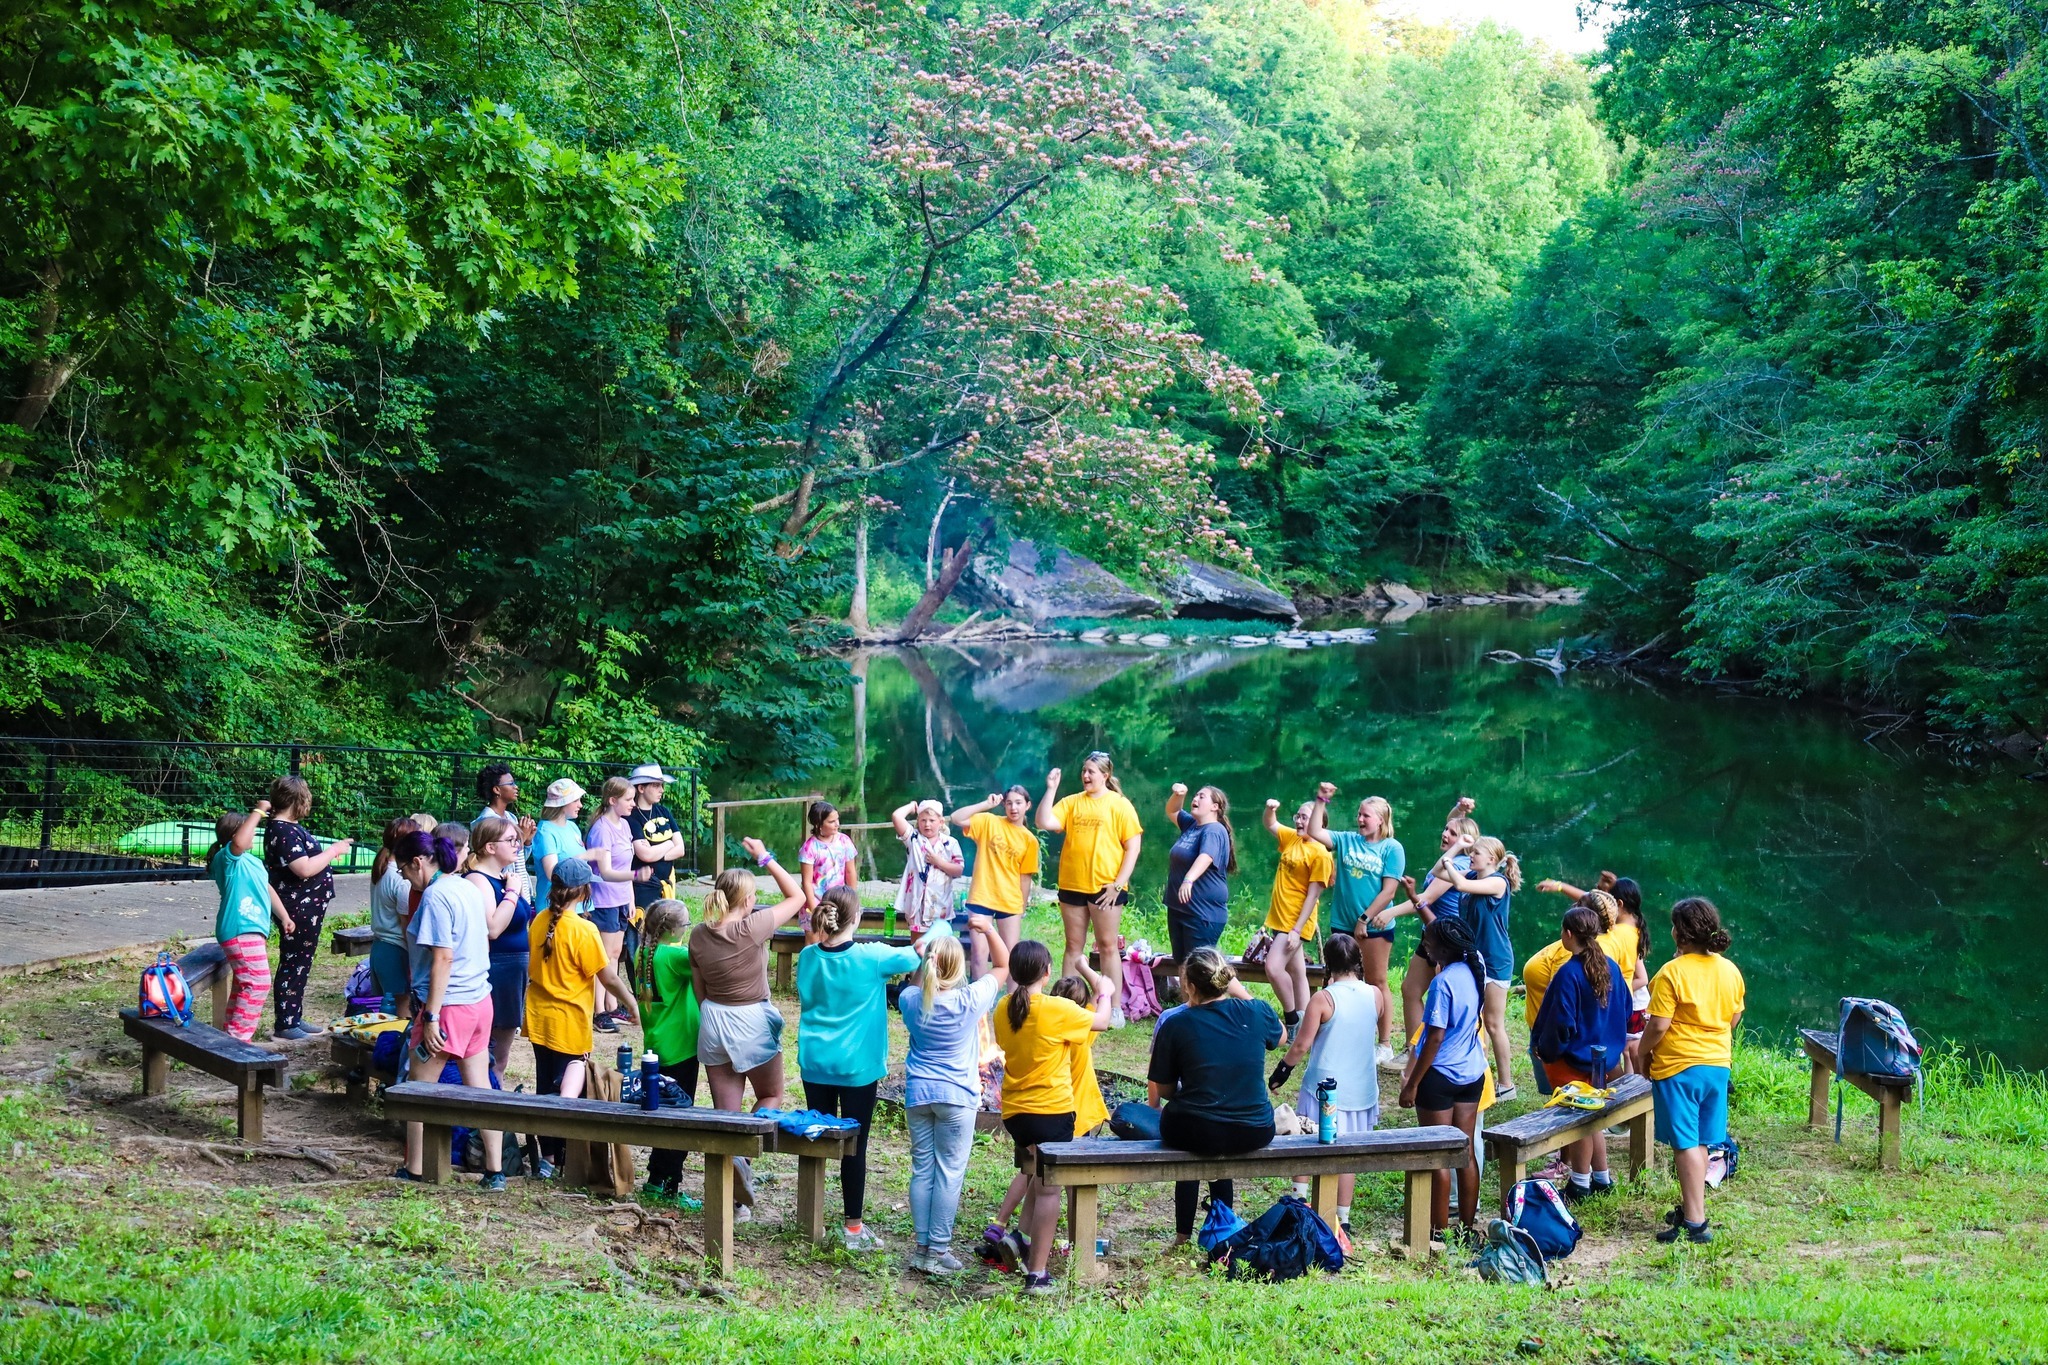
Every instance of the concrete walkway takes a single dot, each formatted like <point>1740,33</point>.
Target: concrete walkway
<point>45,929</point>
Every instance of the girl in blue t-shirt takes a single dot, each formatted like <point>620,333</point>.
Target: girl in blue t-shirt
<point>1198,869</point>
<point>1444,1082</point>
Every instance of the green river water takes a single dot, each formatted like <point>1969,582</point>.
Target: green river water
<point>1841,867</point>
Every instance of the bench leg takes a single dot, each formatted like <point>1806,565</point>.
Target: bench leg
<point>810,1197</point>
<point>1512,1173</point>
<point>718,1190</point>
<point>249,1110</point>
<point>1641,1133</point>
<point>358,1089</point>
<point>1888,1130</point>
<point>1323,1195</point>
<point>1081,1225</point>
<point>222,992</point>
<point>156,1071</point>
<point>435,1165</point>
<point>1415,1213</point>
<point>1817,1095</point>
<point>783,971</point>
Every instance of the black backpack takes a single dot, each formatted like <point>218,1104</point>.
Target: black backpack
<point>1286,1241</point>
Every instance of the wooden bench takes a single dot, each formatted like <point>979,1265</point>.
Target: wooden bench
<point>717,1133</point>
<point>1085,1165</point>
<point>1166,968</point>
<point>789,942</point>
<point>1539,1132</point>
<point>1890,1092</point>
<point>212,1051</point>
<point>205,968</point>
<point>354,941</point>
<point>811,1155</point>
<point>359,1068</point>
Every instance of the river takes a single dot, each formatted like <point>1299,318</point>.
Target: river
<point>1841,866</point>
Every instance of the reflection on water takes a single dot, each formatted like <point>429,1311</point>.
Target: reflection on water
<point>1842,868</point>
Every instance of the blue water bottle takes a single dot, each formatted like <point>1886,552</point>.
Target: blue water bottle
<point>1326,1109</point>
<point>650,1081</point>
<point>625,1060</point>
<point>1599,1066</point>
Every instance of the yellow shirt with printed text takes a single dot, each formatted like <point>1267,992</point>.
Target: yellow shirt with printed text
<point>1301,861</point>
<point>1097,828</point>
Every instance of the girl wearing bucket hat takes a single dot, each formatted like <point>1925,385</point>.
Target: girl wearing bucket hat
<point>556,837</point>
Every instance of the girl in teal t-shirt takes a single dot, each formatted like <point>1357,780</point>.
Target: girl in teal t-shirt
<point>842,1037</point>
<point>248,907</point>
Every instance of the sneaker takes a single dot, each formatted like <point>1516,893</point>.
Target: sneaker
<point>1386,1058</point>
<point>865,1239</point>
<point>293,1032</point>
<point>1503,1096</point>
<point>1116,1017</point>
<point>543,1169</point>
<point>1040,1286</point>
<point>938,1261</point>
<point>743,1214</point>
<point>743,1187</point>
<point>403,1174</point>
<point>493,1180</point>
<point>1017,1252</point>
<point>604,1023</point>
<point>1696,1233</point>
<point>1572,1193</point>
<point>991,1251</point>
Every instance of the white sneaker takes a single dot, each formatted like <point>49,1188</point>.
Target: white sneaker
<point>1387,1058</point>
<point>938,1262</point>
<point>1116,1017</point>
<point>867,1239</point>
<point>743,1213</point>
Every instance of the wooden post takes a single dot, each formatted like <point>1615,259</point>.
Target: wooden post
<point>1817,1093</point>
<point>435,1141</point>
<point>718,1192</point>
<point>1415,1213</point>
<point>222,991</point>
<point>717,840</point>
<point>1081,1223</point>
<point>810,1197</point>
<point>1640,1135</point>
<point>1888,1129</point>
<point>784,972</point>
<point>1323,1197</point>
<point>156,1071</point>
<point>249,1109</point>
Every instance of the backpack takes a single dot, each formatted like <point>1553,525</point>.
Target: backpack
<point>361,993</point>
<point>1537,1209</point>
<point>164,993</point>
<point>1510,1256</point>
<point>1134,1120</point>
<point>1219,1225</point>
<point>1283,1244</point>
<point>1141,993</point>
<point>1872,1040</point>
<point>1722,1159</point>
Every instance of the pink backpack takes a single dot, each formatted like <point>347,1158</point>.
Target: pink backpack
<point>1141,992</point>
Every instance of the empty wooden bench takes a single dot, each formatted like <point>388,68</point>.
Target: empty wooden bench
<point>1514,1144</point>
<point>354,941</point>
<point>1085,1165</point>
<point>719,1134</point>
<point>1890,1092</point>
<point>207,1049</point>
<point>789,942</point>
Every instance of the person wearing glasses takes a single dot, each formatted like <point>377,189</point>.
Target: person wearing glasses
<point>1097,857</point>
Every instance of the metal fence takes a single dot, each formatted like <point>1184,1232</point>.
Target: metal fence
<point>77,812</point>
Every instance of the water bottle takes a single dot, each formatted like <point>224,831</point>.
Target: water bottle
<point>1326,1109</point>
<point>625,1059</point>
<point>1599,1066</point>
<point>650,1081</point>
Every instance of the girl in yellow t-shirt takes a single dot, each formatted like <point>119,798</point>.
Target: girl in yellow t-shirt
<point>1039,1034</point>
<point>566,962</point>
<point>1696,1001</point>
<point>1097,857</point>
<point>1005,864</point>
<point>1306,870</point>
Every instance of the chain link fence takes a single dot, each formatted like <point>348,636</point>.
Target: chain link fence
<point>77,812</point>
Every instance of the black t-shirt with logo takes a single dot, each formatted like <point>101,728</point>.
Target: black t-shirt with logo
<point>657,825</point>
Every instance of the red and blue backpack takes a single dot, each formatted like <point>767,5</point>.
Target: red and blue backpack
<point>164,993</point>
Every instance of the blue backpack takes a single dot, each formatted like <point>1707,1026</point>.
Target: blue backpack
<point>1537,1209</point>
<point>1219,1226</point>
<point>1284,1243</point>
<point>1872,1039</point>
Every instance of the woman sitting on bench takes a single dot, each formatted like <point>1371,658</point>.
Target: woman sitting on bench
<point>1207,1061</point>
<point>1581,1034</point>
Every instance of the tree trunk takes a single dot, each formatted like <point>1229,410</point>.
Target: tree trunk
<point>857,612</point>
<point>942,587</point>
<point>931,541</point>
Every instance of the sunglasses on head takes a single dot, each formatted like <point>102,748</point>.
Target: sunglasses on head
<point>1098,756</point>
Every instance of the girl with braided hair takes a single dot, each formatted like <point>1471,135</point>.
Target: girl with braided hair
<point>1445,1080</point>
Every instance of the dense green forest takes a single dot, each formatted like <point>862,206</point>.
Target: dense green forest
<point>429,370</point>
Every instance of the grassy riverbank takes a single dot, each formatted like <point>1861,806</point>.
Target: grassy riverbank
<point>124,1239</point>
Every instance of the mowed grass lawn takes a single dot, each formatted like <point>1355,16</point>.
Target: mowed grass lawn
<point>124,1238</point>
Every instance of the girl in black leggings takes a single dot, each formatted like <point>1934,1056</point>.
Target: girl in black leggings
<point>1208,1069</point>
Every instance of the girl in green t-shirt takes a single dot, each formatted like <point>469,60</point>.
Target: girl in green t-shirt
<point>668,1011</point>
